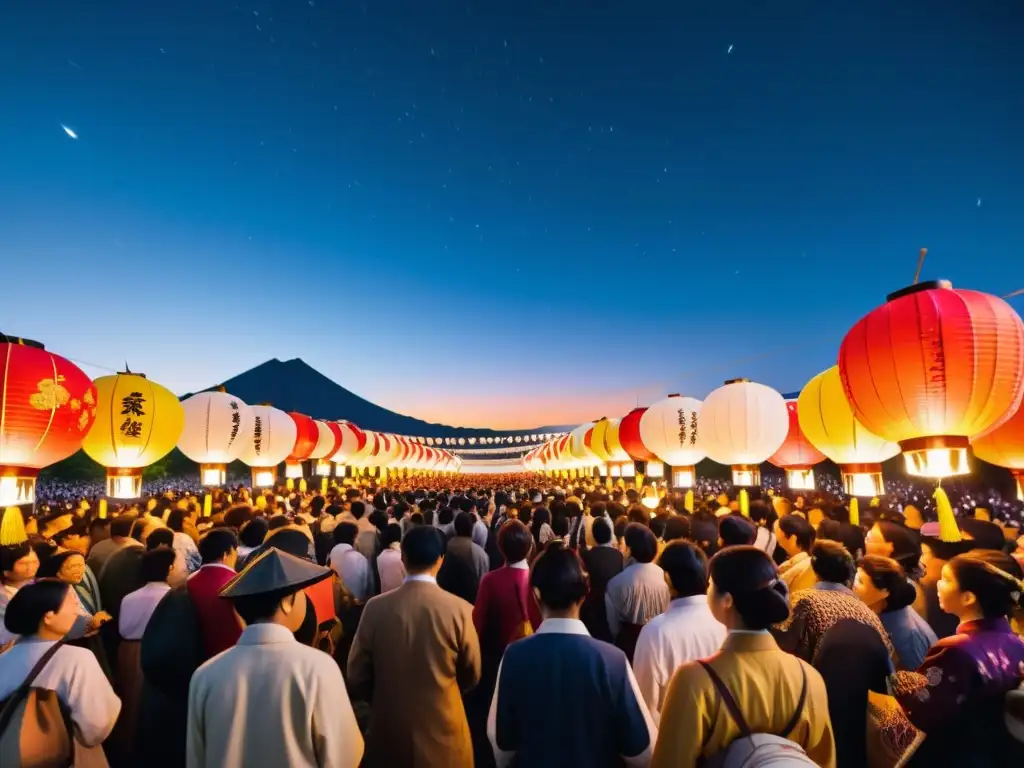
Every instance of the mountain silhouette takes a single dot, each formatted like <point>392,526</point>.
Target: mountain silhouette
<point>293,385</point>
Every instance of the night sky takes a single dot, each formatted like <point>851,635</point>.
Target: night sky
<point>498,213</point>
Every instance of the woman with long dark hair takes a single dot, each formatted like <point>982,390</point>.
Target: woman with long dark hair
<point>884,587</point>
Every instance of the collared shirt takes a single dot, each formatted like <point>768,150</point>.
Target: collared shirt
<point>391,568</point>
<point>603,720</point>
<point>635,596</point>
<point>137,608</point>
<point>521,565</point>
<point>354,570</point>
<point>685,632</point>
<point>426,577</point>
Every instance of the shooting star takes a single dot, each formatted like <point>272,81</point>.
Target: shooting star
<point>730,49</point>
<point>69,132</point>
<point>979,202</point>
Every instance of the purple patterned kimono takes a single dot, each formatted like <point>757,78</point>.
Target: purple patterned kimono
<point>959,695</point>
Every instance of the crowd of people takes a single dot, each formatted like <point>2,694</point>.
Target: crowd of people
<point>512,620</point>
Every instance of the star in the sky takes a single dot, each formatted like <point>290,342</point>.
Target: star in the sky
<point>730,49</point>
<point>69,132</point>
<point>979,202</point>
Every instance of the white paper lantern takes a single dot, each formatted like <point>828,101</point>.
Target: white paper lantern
<point>580,454</point>
<point>671,430</point>
<point>742,423</point>
<point>271,441</point>
<point>217,427</point>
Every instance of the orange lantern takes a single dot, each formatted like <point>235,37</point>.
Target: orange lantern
<point>633,444</point>
<point>797,456</point>
<point>1004,447</point>
<point>933,368</point>
<point>47,405</point>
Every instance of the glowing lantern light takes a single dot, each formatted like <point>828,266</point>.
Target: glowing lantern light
<point>217,427</point>
<point>272,440</point>
<point>671,430</point>
<point>353,439</point>
<point>580,453</point>
<point>632,442</point>
<point>1004,447</point>
<point>742,424</point>
<point>47,405</point>
<point>933,368</point>
<point>827,421</point>
<point>138,422</point>
<point>797,455</point>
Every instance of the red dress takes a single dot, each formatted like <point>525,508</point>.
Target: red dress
<point>218,623</point>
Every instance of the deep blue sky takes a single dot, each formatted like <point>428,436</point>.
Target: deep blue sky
<point>498,212</point>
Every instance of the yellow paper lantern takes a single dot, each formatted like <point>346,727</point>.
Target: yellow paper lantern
<point>138,422</point>
<point>827,421</point>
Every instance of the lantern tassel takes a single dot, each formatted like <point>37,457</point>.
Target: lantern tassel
<point>103,509</point>
<point>302,485</point>
<point>688,501</point>
<point>854,511</point>
<point>207,505</point>
<point>949,531</point>
<point>323,486</point>
<point>639,480</point>
<point>12,529</point>
<point>290,484</point>
<point>744,502</point>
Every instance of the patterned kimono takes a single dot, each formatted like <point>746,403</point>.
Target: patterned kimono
<point>957,696</point>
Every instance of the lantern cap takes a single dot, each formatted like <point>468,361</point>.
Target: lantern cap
<point>928,285</point>
<point>675,394</point>
<point>736,381</point>
<point>129,372</point>
<point>21,342</point>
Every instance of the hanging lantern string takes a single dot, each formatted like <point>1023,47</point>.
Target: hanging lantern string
<point>1018,292</point>
<point>920,265</point>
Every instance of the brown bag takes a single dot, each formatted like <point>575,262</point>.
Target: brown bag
<point>35,727</point>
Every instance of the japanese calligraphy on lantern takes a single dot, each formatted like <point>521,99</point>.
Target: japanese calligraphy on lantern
<point>693,428</point>
<point>131,428</point>
<point>257,435</point>
<point>236,421</point>
<point>682,426</point>
<point>131,404</point>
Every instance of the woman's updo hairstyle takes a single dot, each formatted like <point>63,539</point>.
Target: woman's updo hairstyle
<point>759,596</point>
<point>886,573</point>
<point>31,603</point>
<point>994,577</point>
<point>832,562</point>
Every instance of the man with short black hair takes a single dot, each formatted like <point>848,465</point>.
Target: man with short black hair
<point>414,653</point>
<point>602,719</point>
<point>218,625</point>
<point>685,632</point>
<point>465,563</point>
<point>604,563</point>
<point>639,593</point>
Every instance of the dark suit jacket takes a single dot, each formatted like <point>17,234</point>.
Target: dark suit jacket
<point>603,564</point>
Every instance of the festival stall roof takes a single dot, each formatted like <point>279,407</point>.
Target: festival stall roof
<point>293,385</point>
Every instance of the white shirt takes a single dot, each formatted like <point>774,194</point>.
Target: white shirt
<point>391,568</point>
<point>137,608</point>
<point>271,701</point>
<point>685,632</point>
<point>77,678</point>
<point>354,570</point>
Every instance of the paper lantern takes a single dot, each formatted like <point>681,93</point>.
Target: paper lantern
<point>217,427</point>
<point>328,442</point>
<point>47,405</point>
<point>797,455</point>
<point>827,421</point>
<point>272,440</point>
<point>307,435</point>
<point>932,368</point>
<point>138,422</point>
<point>1004,447</point>
<point>671,430</point>
<point>353,439</point>
<point>633,443</point>
<point>581,454</point>
<point>742,424</point>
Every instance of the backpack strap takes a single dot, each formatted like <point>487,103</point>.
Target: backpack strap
<point>795,719</point>
<point>22,691</point>
<point>728,700</point>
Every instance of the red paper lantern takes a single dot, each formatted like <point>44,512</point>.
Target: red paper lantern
<point>629,436</point>
<point>932,368</point>
<point>306,436</point>
<point>47,405</point>
<point>797,455</point>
